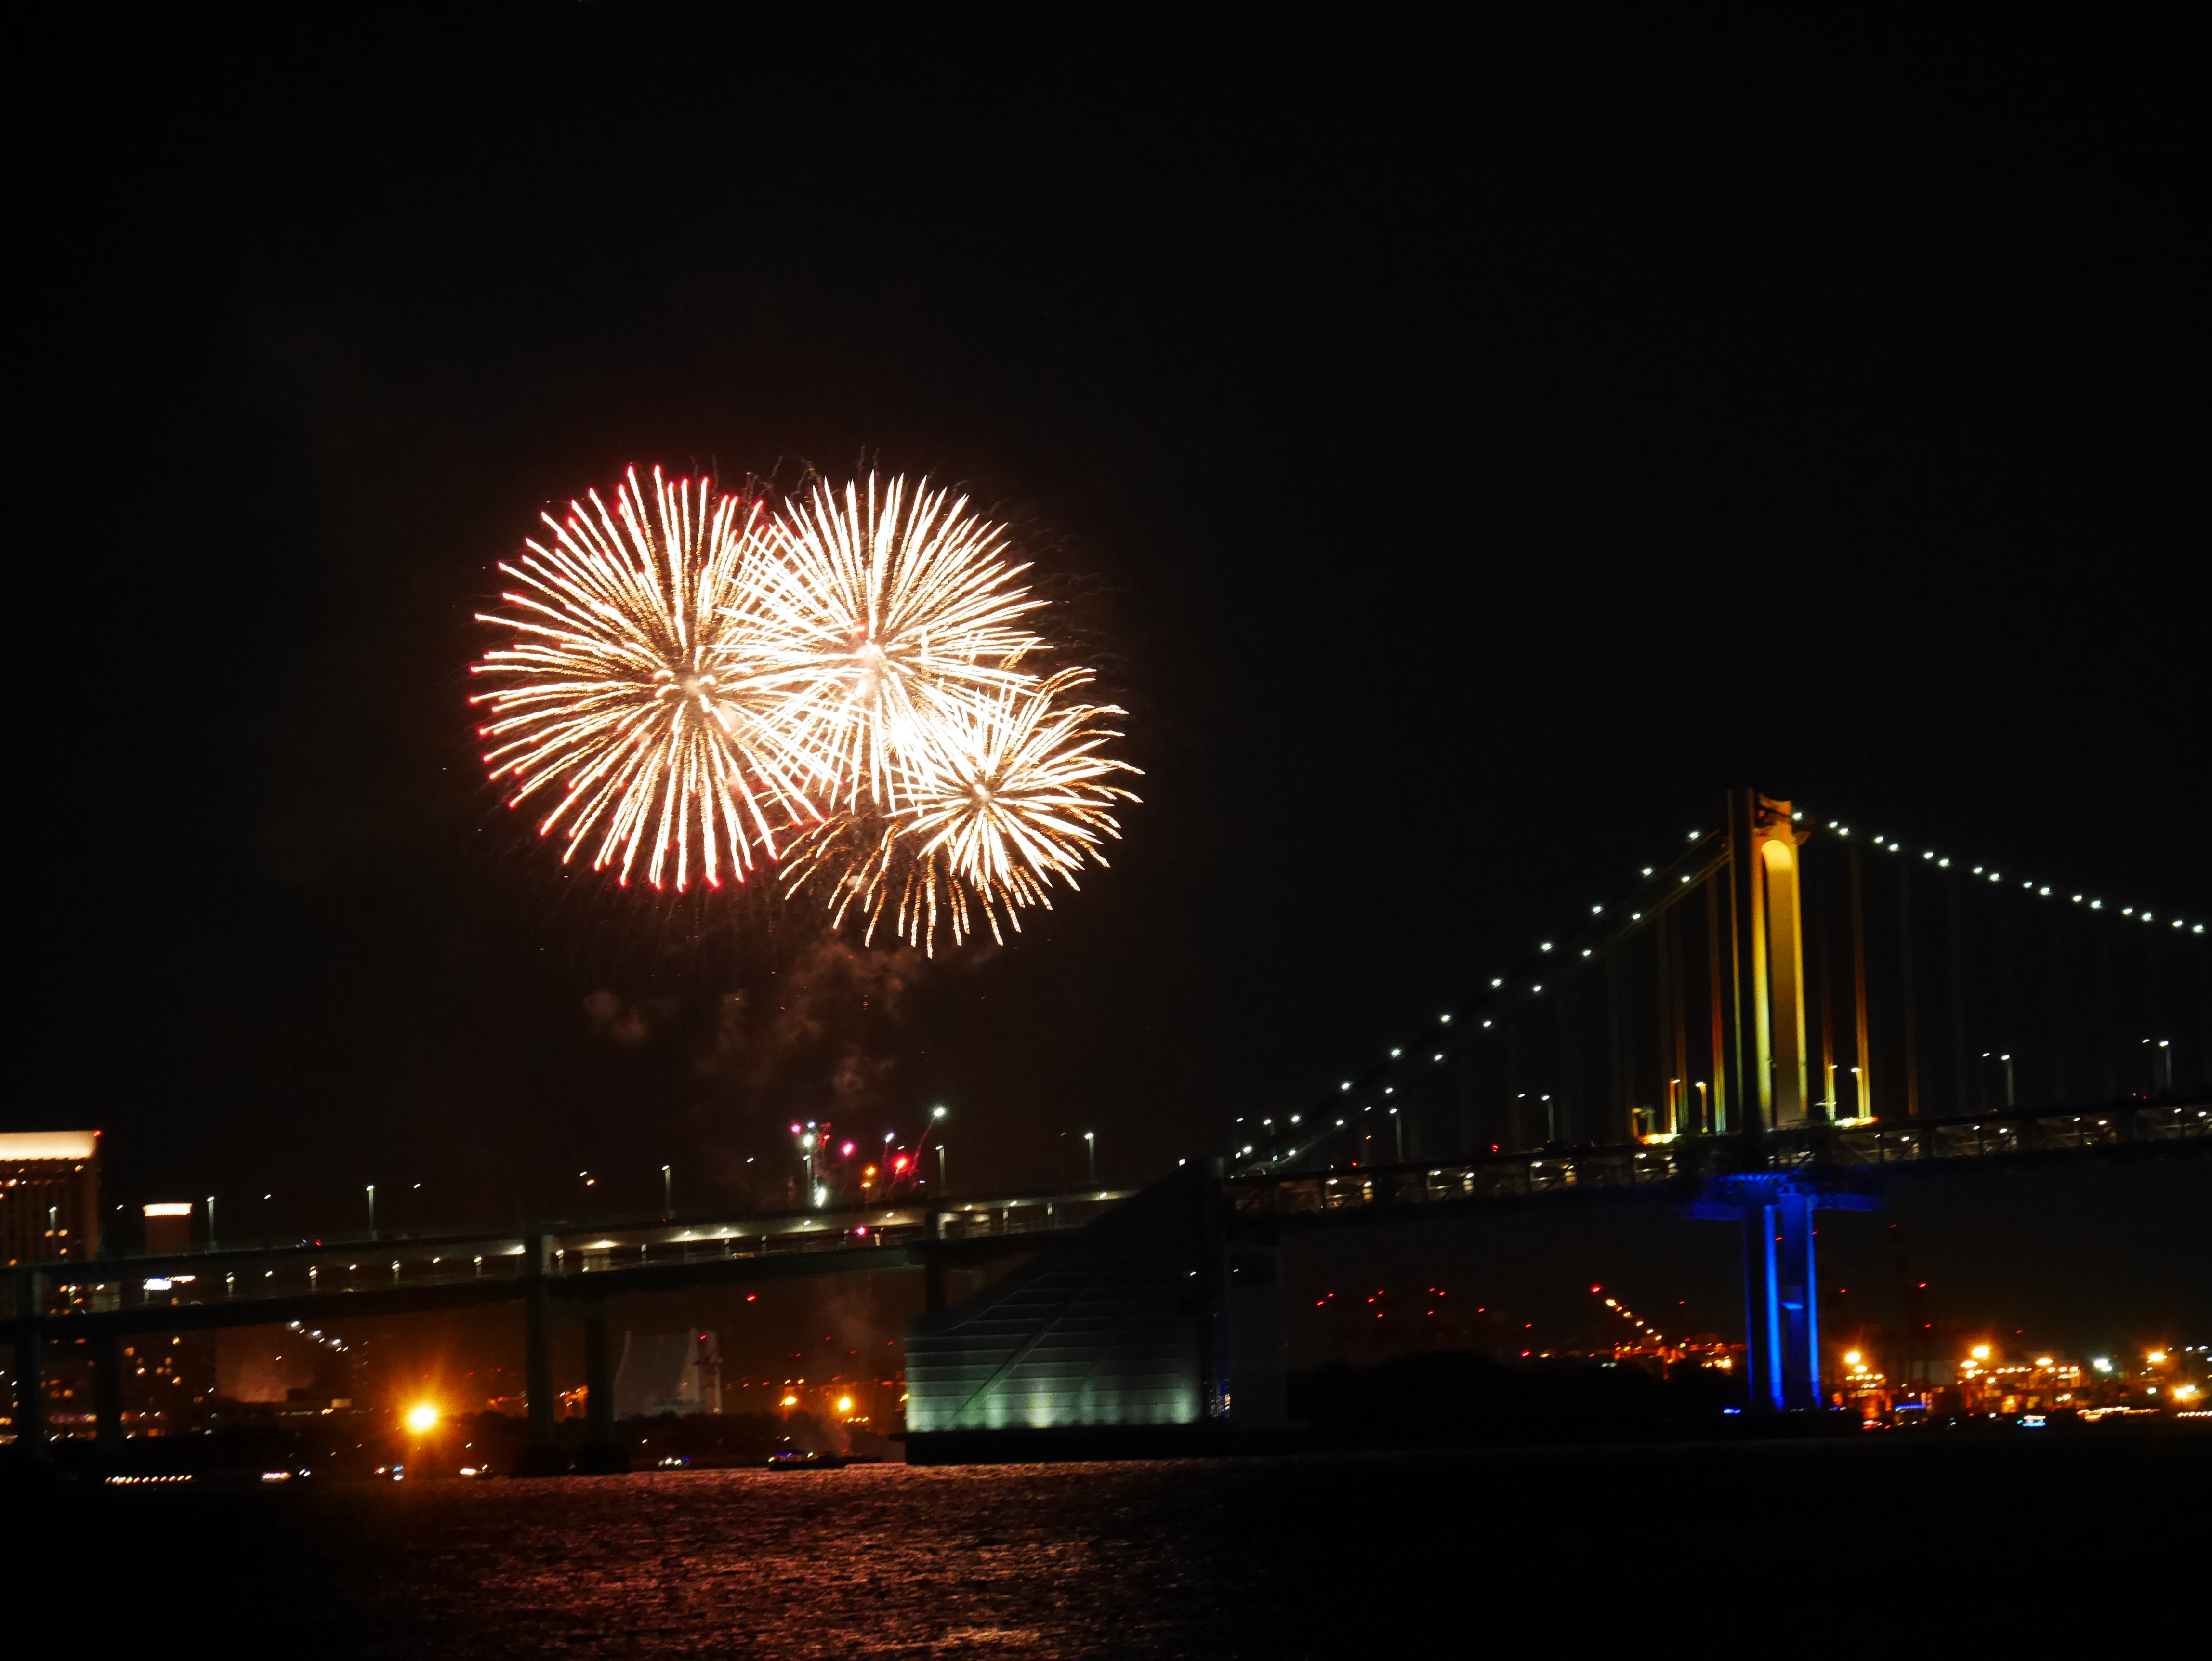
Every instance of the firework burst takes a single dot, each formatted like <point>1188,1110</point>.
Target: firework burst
<point>643,693</point>
<point>897,611</point>
<point>1001,797</point>
<point>691,687</point>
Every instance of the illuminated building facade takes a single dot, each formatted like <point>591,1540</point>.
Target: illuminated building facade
<point>49,1195</point>
<point>1152,1324</point>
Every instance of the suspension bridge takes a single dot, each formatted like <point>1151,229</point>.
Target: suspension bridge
<point>1785,1015</point>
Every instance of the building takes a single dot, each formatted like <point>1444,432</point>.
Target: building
<point>49,1195</point>
<point>679,1373</point>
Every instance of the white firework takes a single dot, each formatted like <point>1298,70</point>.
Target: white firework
<point>642,688</point>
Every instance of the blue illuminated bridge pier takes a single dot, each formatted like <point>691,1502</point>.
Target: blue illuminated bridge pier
<point>1788,1014</point>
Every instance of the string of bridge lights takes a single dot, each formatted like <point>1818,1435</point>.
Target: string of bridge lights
<point>1880,844</point>
<point>2043,890</point>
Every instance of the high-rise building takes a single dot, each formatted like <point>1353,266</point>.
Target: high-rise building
<point>49,1195</point>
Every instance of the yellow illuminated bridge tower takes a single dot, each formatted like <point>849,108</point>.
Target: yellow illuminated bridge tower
<point>1775,1201</point>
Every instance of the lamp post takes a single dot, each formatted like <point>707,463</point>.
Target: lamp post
<point>2006,1059</point>
<point>1704,1115</point>
<point>1090,1153</point>
<point>210,1206</point>
<point>937,1116</point>
<point>667,1192</point>
<point>2161,1057</point>
<point>371,1211</point>
<point>1397,1130</point>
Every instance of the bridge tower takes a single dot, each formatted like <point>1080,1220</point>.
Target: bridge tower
<point>1764,886</point>
<point>1781,1271</point>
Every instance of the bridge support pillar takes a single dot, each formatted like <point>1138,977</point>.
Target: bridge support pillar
<point>541,1455</point>
<point>1800,1305</point>
<point>933,1268</point>
<point>1781,1281</point>
<point>107,1395</point>
<point>30,1370</point>
<point>602,1454</point>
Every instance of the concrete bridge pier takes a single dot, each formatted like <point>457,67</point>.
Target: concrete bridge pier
<point>541,1455</point>
<point>603,1454</point>
<point>30,1370</point>
<point>933,1268</point>
<point>107,1395</point>
<point>1781,1279</point>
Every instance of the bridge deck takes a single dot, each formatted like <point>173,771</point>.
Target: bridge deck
<point>1661,1169</point>
<point>327,1280</point>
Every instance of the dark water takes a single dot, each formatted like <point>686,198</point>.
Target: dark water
<point>1294,1557</point>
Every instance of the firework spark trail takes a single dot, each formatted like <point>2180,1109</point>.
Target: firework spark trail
<point>900,610</point>
<point>1003,796</point>
<point>640,683</point>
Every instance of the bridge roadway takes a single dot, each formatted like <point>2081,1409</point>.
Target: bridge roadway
<point>1275,1189</point>
<point>329,1279</point>
<point>581,1266</point>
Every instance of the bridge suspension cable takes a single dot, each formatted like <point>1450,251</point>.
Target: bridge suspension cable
<point>1821,974</point>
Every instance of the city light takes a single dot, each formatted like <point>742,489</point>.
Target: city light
<point>1981,1352</point>
<point>1852,1358</point>
<point>844,1404</point>
<point>2156,1358</point>
<point>422,1418</point>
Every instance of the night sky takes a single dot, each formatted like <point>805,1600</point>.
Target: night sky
<point>1466,455</point>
